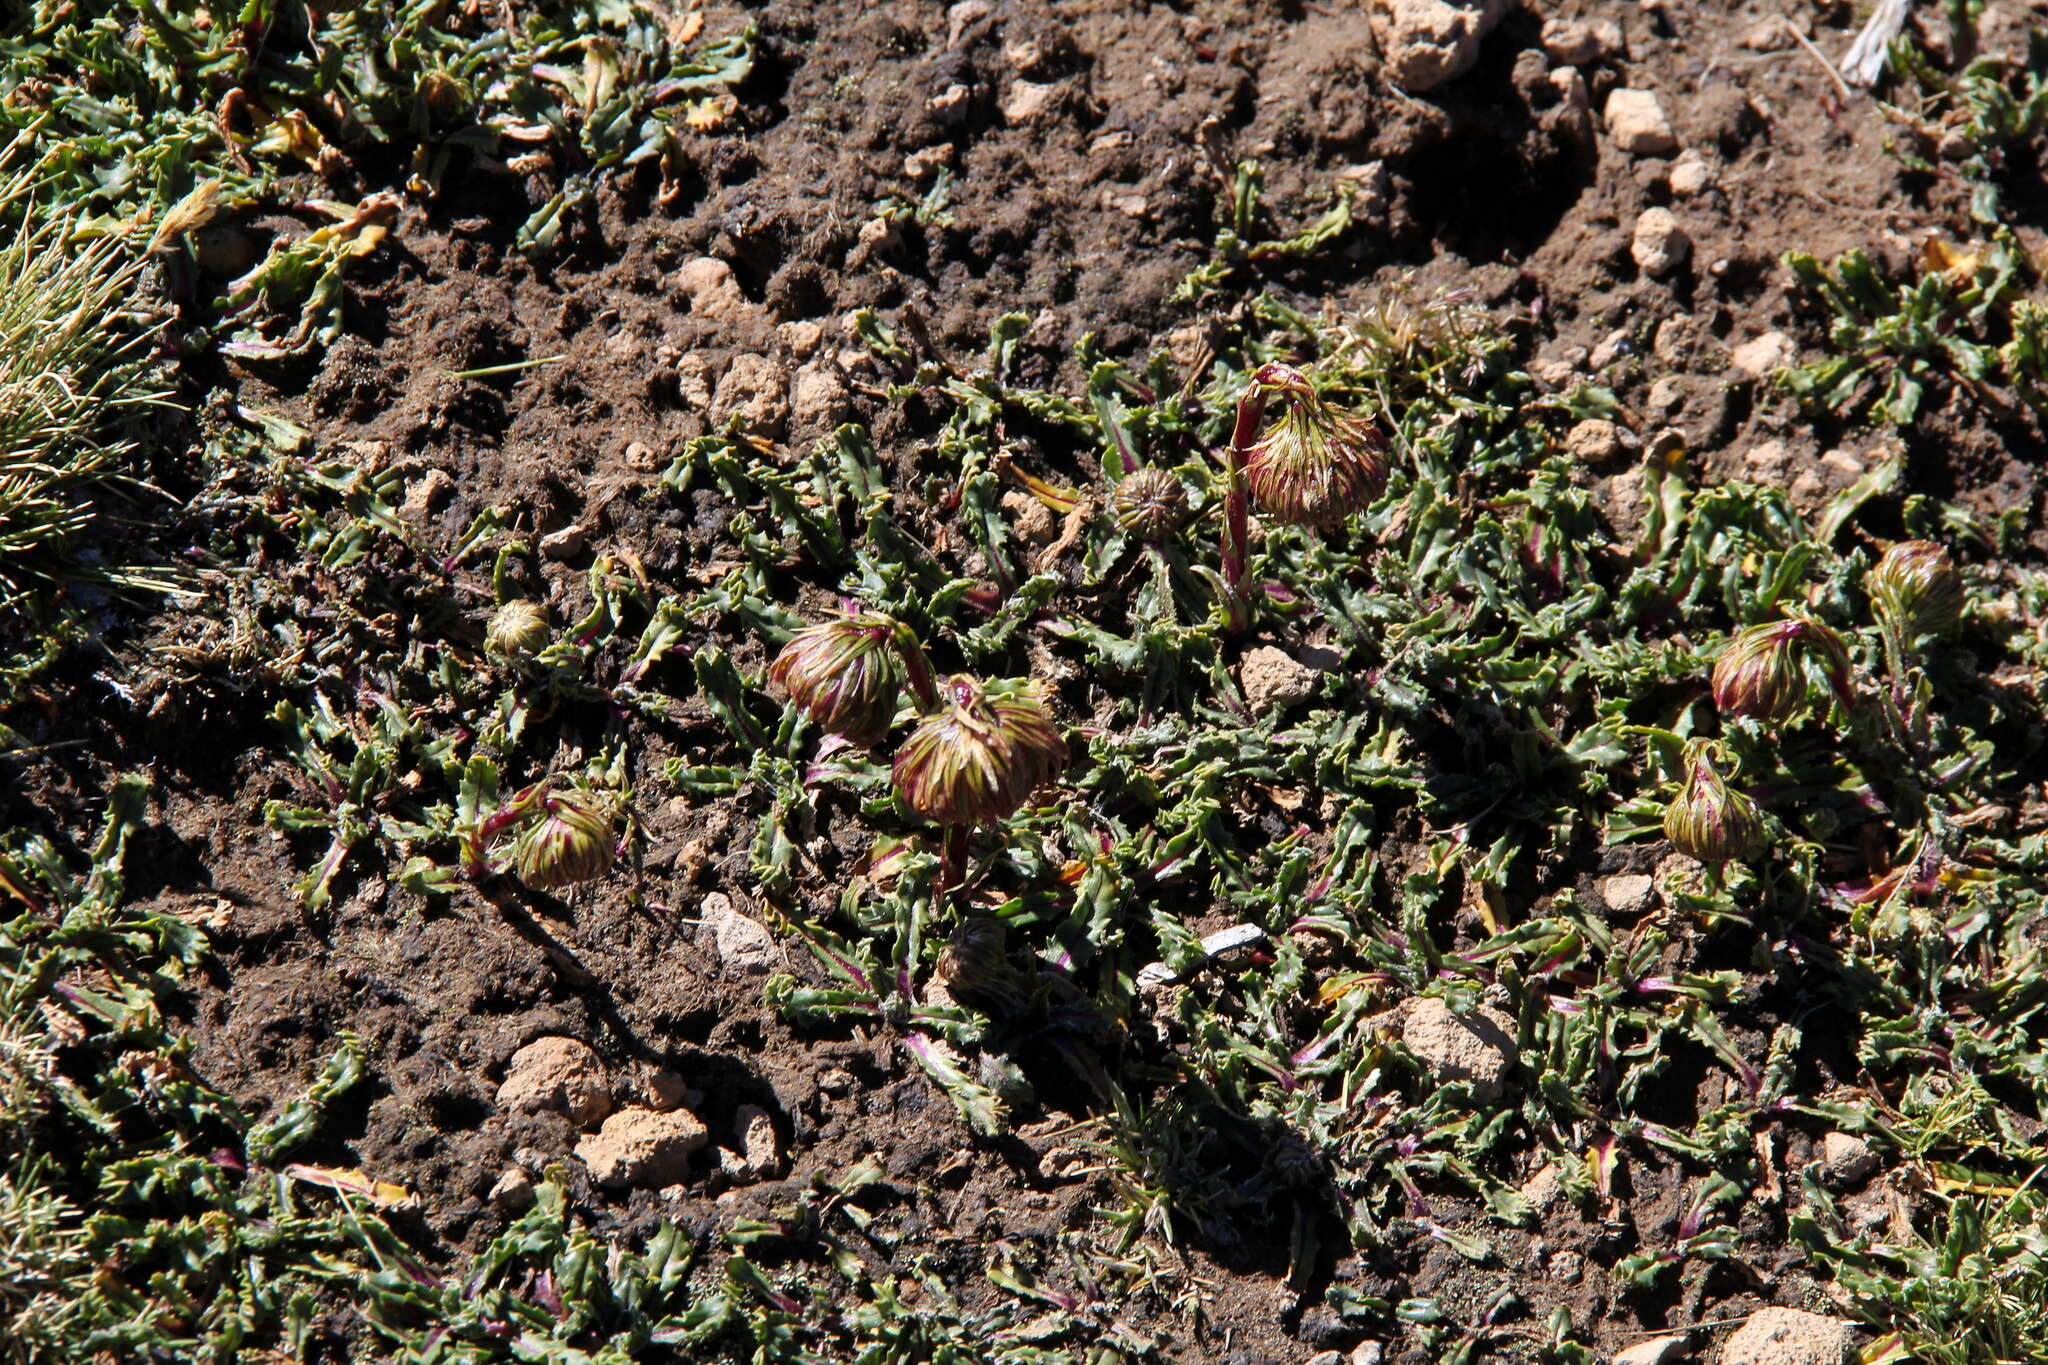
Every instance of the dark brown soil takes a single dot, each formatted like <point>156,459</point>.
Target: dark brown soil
<point>1084,218</point>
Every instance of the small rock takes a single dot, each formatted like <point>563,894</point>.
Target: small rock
<point>425,494</point>
<point>758,1142</point>
<point>1666,396</point>
<point>1693,173</point>
<point>561,1074</point>
<point>1612,347</point>
<point>1630,893</point>
<point>1655,1351</point>
<point>1955,145</point>
<point>1327,1358</point>
<point>1543,1188</point>
<point>950,105</point>
<point>1766,35</point>
<point>1636,122</point>
<point>1787,1336</point>
<point>708,284</point>
<point>744,944</point>
<point>1571,88</point>
<point>1029,101</point>
<point>1272,679</point>
<point>1478,1047</point>
<point>662,1089</point>
<point>1368,1353</point>
<point>1567,1267</point>
<point>964,13</point>
<point>836,1080</point>
<point>639,1148</point>
<point>566,543</point>
<point>695,374</point>
<point>1427,42</point>
<point>1771,459</point>
<point>1659,245</point>
<point>818,397</point>
<point>1846,1160</point>
<point>1762,356</point>
<point>1594,441</point>
<point>1844,464</point>
<point>1031,519</point>
<point>1675,338</point>
<point>755,389</point>
<point>802,339</point>
<point>513,1194</point>
<point>1571,41</point>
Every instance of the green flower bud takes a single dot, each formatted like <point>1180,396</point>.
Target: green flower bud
<point>1708,819</point>
<point>574,840</point>
<point>1150,504</point>
<point>846,674</point>
<point>1318,464</point>
<point>1762,671</point>
<point>1917,589</point>
<point>518,630</point>
<point>976,759</point>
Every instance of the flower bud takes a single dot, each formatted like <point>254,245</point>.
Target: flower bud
<point>975,965</point>
<point>845,674</point>
<point>1762,673</point>
<point>1917,589</point>
<point>518,630</point>
<point>573,841</point>
<point>1708,819</point>
<point>1318,464</point>
<point>977,758</point>
<point>1150,504</point>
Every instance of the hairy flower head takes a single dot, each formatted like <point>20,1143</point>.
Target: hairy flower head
<point>1762,672</point>
<point>846,674</point>
<point>574,840</point>
<point>1708,819</point>
<point>1916,587</point>
<point>518,630</point>
<point>1317,464</point>
<point>975,759</point>
<point>1150,504</point>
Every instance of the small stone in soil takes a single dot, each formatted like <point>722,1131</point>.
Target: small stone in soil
<point>1272,678</point>
<point>1788,1336</point>
<point>1636,122</point>
<point>1659,244</point>
<point>513,1194</point>
<point>556,1073</point>
<point>1593,441</point>
<point>640,1148</point>
<point>1479,1047</point>
<point>1846,1160</point>
<point>1656,1351</point>
<point>1630,893</point>
<point>744,944</point>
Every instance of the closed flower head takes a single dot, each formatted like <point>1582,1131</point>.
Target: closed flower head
<point>1708,819</point>
<point>1916,588</point>
<point>1150,504</point>
<point>574,840</point>
<point>518,630</point>
<point>847,674</point>
<point>1762,672</point>
<point>1317,464</point>
<point>975,759</point>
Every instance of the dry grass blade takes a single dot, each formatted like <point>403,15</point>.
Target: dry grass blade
<point>72,368</point>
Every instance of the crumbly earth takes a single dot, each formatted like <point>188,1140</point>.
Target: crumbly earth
<point>1083,138</point>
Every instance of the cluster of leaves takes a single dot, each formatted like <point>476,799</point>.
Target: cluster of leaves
<point>144,1214</point>
<point>1507,685</point>
<point>172,115</point>
<point>1971,318</point>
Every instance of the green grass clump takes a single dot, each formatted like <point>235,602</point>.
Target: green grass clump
<point>74,375</point>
